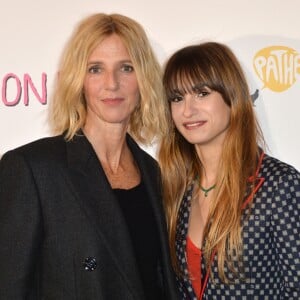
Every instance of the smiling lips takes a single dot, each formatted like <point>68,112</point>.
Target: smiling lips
<point>193,125</point>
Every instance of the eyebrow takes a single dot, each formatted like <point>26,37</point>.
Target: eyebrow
<point>98,62</point>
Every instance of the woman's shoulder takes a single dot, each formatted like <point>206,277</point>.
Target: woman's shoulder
<point>39,150</point>
<point>276,169</point>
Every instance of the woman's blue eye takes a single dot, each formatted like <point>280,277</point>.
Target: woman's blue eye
<point>94,69</point>
<point>127,68</point>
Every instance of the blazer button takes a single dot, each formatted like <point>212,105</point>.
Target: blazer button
<point>90,264</point>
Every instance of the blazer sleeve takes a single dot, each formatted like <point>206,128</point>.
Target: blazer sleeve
<point>286,226</point>
<point>20,227</point>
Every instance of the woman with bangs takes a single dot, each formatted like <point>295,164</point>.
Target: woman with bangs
<point>232,210</point>
<point>81,213</point>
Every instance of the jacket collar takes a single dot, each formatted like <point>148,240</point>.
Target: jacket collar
<point>255,182</point>
<point>97,200</point>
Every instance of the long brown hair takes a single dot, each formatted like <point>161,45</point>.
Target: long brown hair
<point>215,66</point>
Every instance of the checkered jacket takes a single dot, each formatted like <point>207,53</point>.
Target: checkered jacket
<point>271,241</point>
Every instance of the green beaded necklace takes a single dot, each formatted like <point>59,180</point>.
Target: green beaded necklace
<point>206,191</point>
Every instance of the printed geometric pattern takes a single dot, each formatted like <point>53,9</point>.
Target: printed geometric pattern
<point>271,239</point>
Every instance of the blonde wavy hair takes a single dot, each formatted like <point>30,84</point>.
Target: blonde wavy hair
<point>215,66</point>
<point>68,105</point>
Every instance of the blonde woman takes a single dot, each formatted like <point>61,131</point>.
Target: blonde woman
<point>81,213</point>
<point>232,210</point>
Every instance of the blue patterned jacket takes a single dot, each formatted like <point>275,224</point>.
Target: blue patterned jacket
<point>271,241</point>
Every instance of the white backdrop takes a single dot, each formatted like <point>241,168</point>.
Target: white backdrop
<point>264,34</point>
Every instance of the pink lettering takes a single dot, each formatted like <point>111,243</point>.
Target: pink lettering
<point>28,82</point>
<point>4,89</point>
<point>12,89</point>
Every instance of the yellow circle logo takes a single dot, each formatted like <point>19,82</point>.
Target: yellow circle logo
<point>277,67</point>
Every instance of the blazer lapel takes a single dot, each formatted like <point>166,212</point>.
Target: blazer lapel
<point>101,208</point>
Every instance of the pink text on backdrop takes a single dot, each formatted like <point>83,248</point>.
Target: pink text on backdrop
<point>12,82</point>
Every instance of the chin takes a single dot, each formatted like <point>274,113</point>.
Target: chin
<point>115,118</point>
<point>193,140</point>
<point>117,121</point>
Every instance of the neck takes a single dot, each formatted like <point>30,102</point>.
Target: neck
<point>109,143</point>
<point>210,159</point>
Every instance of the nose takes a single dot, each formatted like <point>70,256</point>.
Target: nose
<point>111,80</point>
<point>189,106</point>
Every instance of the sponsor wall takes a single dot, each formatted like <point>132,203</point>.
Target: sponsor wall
<point>264,34</point>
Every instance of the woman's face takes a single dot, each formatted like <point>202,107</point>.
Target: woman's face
<point>201,117</point>
<point>110,85</point>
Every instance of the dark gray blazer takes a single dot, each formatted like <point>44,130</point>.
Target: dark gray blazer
<point>62,234</point>
<point>270,233</point>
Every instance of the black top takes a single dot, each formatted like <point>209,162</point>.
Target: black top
<point>139,216</point>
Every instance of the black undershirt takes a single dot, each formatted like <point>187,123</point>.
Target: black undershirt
<point>142,228</point>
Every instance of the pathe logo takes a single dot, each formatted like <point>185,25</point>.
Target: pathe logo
<point>277,67</point>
